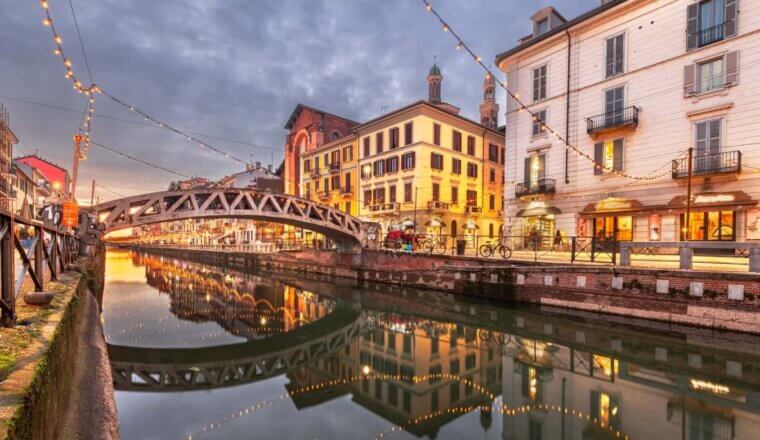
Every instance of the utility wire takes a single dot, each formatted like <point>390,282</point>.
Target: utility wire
<point>81,42</point>
<point>137,159</point>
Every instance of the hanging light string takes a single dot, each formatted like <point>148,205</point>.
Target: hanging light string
<point>92,89</point>
<point>163,124</point>
<point>524,108</point>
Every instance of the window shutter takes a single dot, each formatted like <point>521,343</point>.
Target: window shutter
<point>609,55</point>
<point>730,29</point>
<point>689,85</point>
<point>692,22</point>
<point>541,166</point>
<point>732,68</point>
<point>526,177</point>
<point>617,161</point>
<point>598,157</point>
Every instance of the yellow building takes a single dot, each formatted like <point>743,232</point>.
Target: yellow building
<point>330,173</point>
<point>427,163</point>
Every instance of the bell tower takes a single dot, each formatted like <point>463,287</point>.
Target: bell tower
<point>434,79</point>
<point>489,108</point>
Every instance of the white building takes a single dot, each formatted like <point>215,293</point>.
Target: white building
<point>634,84</point>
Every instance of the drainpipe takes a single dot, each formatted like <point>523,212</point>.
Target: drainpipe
<point>567,112</point>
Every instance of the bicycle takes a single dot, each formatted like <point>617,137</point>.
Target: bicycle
<point>433,245</point>
<point>487,250</point>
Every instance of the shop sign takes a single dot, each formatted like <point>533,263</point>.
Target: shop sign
<point>613,204</point>
<point>707,199</point>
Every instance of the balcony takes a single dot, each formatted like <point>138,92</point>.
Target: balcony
<point>541,186</point>
<point>314,172</point>
<point>384,208</point>
<point>335,167</point>
<point>323,195</point>
<point>625,118</point>
<point>472,209</point>
<point>729,162</point>
<point>438,206</point>
<point>711,35</point>
<point>345,191</point>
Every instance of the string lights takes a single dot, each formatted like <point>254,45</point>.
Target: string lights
<point>524,108</point>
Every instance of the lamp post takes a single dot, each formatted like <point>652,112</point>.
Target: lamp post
<point>686,228</point>
<point>414,233</point>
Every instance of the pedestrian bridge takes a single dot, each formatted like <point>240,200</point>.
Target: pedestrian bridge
<point>202,368</point>
<point>346,230</point>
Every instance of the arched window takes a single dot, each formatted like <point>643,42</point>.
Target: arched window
<point>454,228</point>
<point>490,230</point>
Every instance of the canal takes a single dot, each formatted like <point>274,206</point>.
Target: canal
<point>204,352</point>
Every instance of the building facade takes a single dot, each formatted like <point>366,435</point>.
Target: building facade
<point>7,140</point>
<point>635,84</point>
<point>422,168</point>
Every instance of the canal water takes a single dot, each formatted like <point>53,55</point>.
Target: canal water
<point>202,352</point>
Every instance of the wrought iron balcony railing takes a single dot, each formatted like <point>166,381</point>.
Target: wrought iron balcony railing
<point>627,117</point>
<point>711,35</point>
<point>472,209</point>
<point>314,172</point>
<point>540,186</point>
<point>380,208</point>
<point>709,164</point>
<point>334,167</point>
<point>346,190</point>
<point>323,194</point>
<point>438,206</point>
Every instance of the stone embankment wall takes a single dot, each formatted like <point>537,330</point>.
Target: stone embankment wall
<point>727,301</point>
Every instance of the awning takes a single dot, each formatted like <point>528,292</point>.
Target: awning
<point>471,225</point>
<point>730,200</point>
<point>535,212</point>
<point>618,206</point>
<point>436,223</point>
<point>408,223</point>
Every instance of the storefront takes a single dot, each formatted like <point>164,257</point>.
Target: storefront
<point>620,219</point>
<point>713,216</point>
<point>538,224</point>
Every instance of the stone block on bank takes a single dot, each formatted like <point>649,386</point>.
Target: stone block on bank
<point>548,329</point>
<point>734,368</point>
<point>663,286</point>
<point>661,354</point>
<point>696,288</point>
<point>38,298</point>
<point>736,292</point>
<point>617,283</point>
<point>548,280</point>
<point>580,281</point>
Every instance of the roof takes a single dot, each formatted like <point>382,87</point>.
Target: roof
<point>435,70</point>
<point>34,156</point>
<point>26,170</point>
<point>559,29</point>
<point>300,107</point>
<point>428,104</point>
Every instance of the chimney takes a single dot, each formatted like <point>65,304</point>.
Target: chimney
<point>258,165</point>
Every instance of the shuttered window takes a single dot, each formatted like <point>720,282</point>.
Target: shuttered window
<point>712,74</point>
<point>614,103</point>
<point>535,169</point>
<point>456,140</point>
<point>608,156</point>
<point>395,137</point>
<point>436,161</point>
<point>539,123</point>
<point>539,83</point>
<point>437,134</point>
<point>614,55</point>
<point>710,21</point>
<point>708,137</point>
<point>408,133</point>
<point>408,161</point>
<point>456,166</point>
<point>379,142</point>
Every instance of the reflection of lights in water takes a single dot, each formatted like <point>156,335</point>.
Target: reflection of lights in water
<point>263,321</point>
<point>366,370</point>
<point>208,297</point>
<point>702,385</point>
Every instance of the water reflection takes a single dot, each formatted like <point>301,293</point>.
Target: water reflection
<point>303,358</point>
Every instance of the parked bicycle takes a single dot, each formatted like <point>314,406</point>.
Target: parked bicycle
<point>433,245</point>
<point>488,249</point>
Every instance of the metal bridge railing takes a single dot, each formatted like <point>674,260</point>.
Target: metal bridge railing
<point>36,245</point>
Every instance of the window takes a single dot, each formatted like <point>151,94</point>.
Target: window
<point>503,155</point>
<point>454,391</point>
<point>614,104</point>
<point>379,142</point>
<point>347,185</point>
<point>434,398</point>
<point>707,142</point>
<point>492,175</point>
<point>709,21</point>
<point>436,161</point>
<point>539,83</point>
<point>472,169</point>
<point>456,166</point>
<point>437,134</point>
<point>539,123</point>
<point>392,196</point>
<point>327,184</point>
<point>408,161</point>
<point>436,198</point>
<point>392,395</point>
<point>394,137</point>
<point>710,75</point>
<point>335,157</point>
<point>367,197</point>
<point>456,140</point>
<point>614,55</point>
<point>335,184</point>
<point>316,163</point>
<point>307,165</point>
<point>327,160</point>
<point>366,146</point>
<point>379,168</point>
<point>408,132</point>
<point>454,195</point>
<point>391,164</point>
<point>454,367</point>
<point>492,207</point>
<point>348,154</point>
<point>493,153</point>
<point>471,145</point>
<point>366,171</point>
<point>469,361</point>
<point>535,169</point>
<point>379,198</point>
<point>407,199</point>
<point>610,155</point>
<point>472,197</point>
<point>542,26</point>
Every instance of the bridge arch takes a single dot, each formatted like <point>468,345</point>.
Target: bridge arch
<point>347,231</point>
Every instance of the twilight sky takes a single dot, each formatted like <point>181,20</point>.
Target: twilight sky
<point>234,70</point>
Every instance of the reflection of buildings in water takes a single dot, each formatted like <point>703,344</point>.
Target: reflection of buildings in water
<point>641,402</point>
<point>412,349</point>
<point>244,305</point>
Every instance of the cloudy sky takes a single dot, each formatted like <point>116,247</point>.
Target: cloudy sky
<point>233,70</point>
